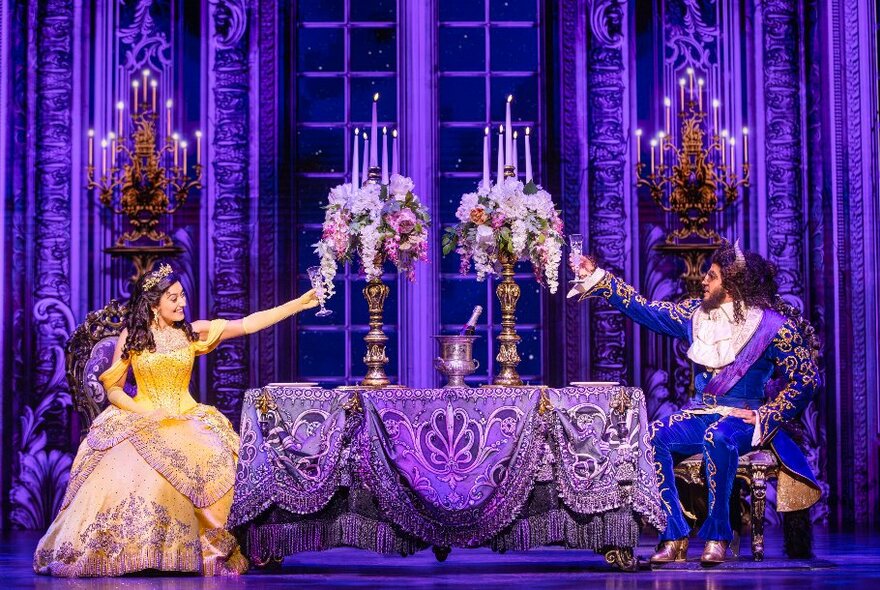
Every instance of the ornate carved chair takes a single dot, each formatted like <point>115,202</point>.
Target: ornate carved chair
<point>89,353</point>
<point>755,470</point>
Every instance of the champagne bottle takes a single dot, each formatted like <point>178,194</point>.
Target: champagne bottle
<point>471,326</point>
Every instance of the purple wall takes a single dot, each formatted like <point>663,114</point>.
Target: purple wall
<point>801,75</point>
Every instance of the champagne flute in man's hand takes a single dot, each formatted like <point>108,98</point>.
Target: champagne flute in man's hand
<point>318,285</point>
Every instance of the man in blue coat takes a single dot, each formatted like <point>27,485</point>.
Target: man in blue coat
<point>740,333</point>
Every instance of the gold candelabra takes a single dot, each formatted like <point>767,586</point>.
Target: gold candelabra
<point>695,178</point>
<point>143,176</point>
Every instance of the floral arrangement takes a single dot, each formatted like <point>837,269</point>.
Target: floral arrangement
<point>376,222</point>
<point>509,219</point>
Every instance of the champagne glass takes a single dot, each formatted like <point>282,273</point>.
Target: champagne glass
<point>318,285</point>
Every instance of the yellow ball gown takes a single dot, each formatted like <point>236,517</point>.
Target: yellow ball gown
<point>147,494</point>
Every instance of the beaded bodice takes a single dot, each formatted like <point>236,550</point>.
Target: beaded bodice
<point>163,377</point>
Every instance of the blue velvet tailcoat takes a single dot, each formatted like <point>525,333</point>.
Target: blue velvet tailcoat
<point>788,351</point>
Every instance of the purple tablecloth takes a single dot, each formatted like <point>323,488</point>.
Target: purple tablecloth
<point>397,470</point>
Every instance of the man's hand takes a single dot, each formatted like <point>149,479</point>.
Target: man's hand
<point>747,416</point>
<point>307,300</point>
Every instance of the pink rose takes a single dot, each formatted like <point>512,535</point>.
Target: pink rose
<point>404,221</point>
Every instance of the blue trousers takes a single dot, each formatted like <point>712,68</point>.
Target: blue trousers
<point>721,440</point>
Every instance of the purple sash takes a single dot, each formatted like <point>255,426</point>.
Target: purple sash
<point>730,375</point>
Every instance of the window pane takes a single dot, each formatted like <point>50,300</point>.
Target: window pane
<point>525,94</point>
<point>451,190</point>
<point>461,149</point>
<point>462,10</point>
<point>321,353</point>
<point>458,298</point>
<point>373,10</point>
<point>320,50</point>
<point>320,100</point>
<point>362,91</point>
<point>323,11</point>
<point>462,99</point>
<point>514,49</point>
<point>515,10</point>
<point>311,198</point>
<point>373,49</point>
<point>462,49</point>
<point>319,150</point>
<point>529,352</point>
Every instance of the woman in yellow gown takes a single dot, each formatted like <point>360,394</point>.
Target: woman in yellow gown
<point>151,484</point>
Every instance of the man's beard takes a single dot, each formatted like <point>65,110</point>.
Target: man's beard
<point>714,301</point>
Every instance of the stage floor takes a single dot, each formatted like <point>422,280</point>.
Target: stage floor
<point>843,560</point>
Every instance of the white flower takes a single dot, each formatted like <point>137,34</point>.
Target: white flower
<point>485,234</point>
<point>400,185</point>
<point>469,201</point>
<point>341,194</point>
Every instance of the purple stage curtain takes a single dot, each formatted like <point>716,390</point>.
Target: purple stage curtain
<point>397,470</point>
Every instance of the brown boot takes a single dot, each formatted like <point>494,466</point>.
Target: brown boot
<point>671,551</point>
<point>714,553</point>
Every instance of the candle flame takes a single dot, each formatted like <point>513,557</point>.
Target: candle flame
<point>661,135</point>
<point>168,103</point>
<point>146,72</point>
<point>681,81</point>
<point>384,130</point>
<point>667,102</point>
<point>103,143</point>
<point>501,129</point>
<point>745,130</point>
<point>111,135</point>
<point>716,103</point>
<point>515,134</point>
<point>487,130</point>
<point>153,83</point>
<point>701,81</point>
<point>135,83</point>
<point>175,136</point>
<point>120,105</point>
<point>376,97</point>
<point>528,130</point>
<point>198,133</point>
<point>365,136</point>
<point>690,71</point>
<point>91,132</point>
<point>357,131</point>
<point>724,133</point>
<point>732,140</point>
<point>183,144</point>
<point>639,132</point>
<point>509,98</point>
<point>394,133</point>
<point>653,143</point>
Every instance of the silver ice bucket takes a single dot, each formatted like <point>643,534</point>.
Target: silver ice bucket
<point>456,359</point>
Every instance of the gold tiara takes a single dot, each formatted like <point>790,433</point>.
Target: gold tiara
<point>157,275</point>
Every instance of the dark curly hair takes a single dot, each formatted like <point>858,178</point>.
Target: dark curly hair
<point>140,313</point>
<point>753,284</point>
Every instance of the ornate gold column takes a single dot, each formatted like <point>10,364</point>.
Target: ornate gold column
<point>508,294</point>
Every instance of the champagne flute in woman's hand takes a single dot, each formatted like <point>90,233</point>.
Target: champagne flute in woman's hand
<point>318,285</point>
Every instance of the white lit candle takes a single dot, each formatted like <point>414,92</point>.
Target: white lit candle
<point>668,103</point>
<point>700,84</point>
<point>690,73</point>
<point>681,92</point>
<point>91,147</point>
<point>183,147</point>
<point>112,149</point>
<point>653,146</point>
<point>508,144</point>
<point>500,172</point>
<point>638,146</point>
<point>154,85</point>
<point>529,177</point>
<point>198,147</point>
<point>120,107</point>
<point>146,74</point>
<point>134,90</point>
<point>733,155</point>
<point>385,164</point>
<point>355,160</point>
<point>103,157</point>
<point>515,160</point>
<point>486,159</point>
<point>715,104</point>
<point>374,133</point>
<point>395,154</point>
<point>366,163</point>
<point>176,139</point>
<point>723,145</point>
<point>745,145</point>
<point>167,119</point>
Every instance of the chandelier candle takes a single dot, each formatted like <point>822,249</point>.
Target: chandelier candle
<point>515,160</point>
<point>355,161</point>
<point>508,145</point>
<point>395,152</point>
<point>374,133</point>
<point>385,165</point>
<point>366,159</point>
<point>500,171</point>
<point>528,156</point>
<point>486,159</point>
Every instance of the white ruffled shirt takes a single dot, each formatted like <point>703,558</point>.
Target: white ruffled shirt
<point>718,338</point>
